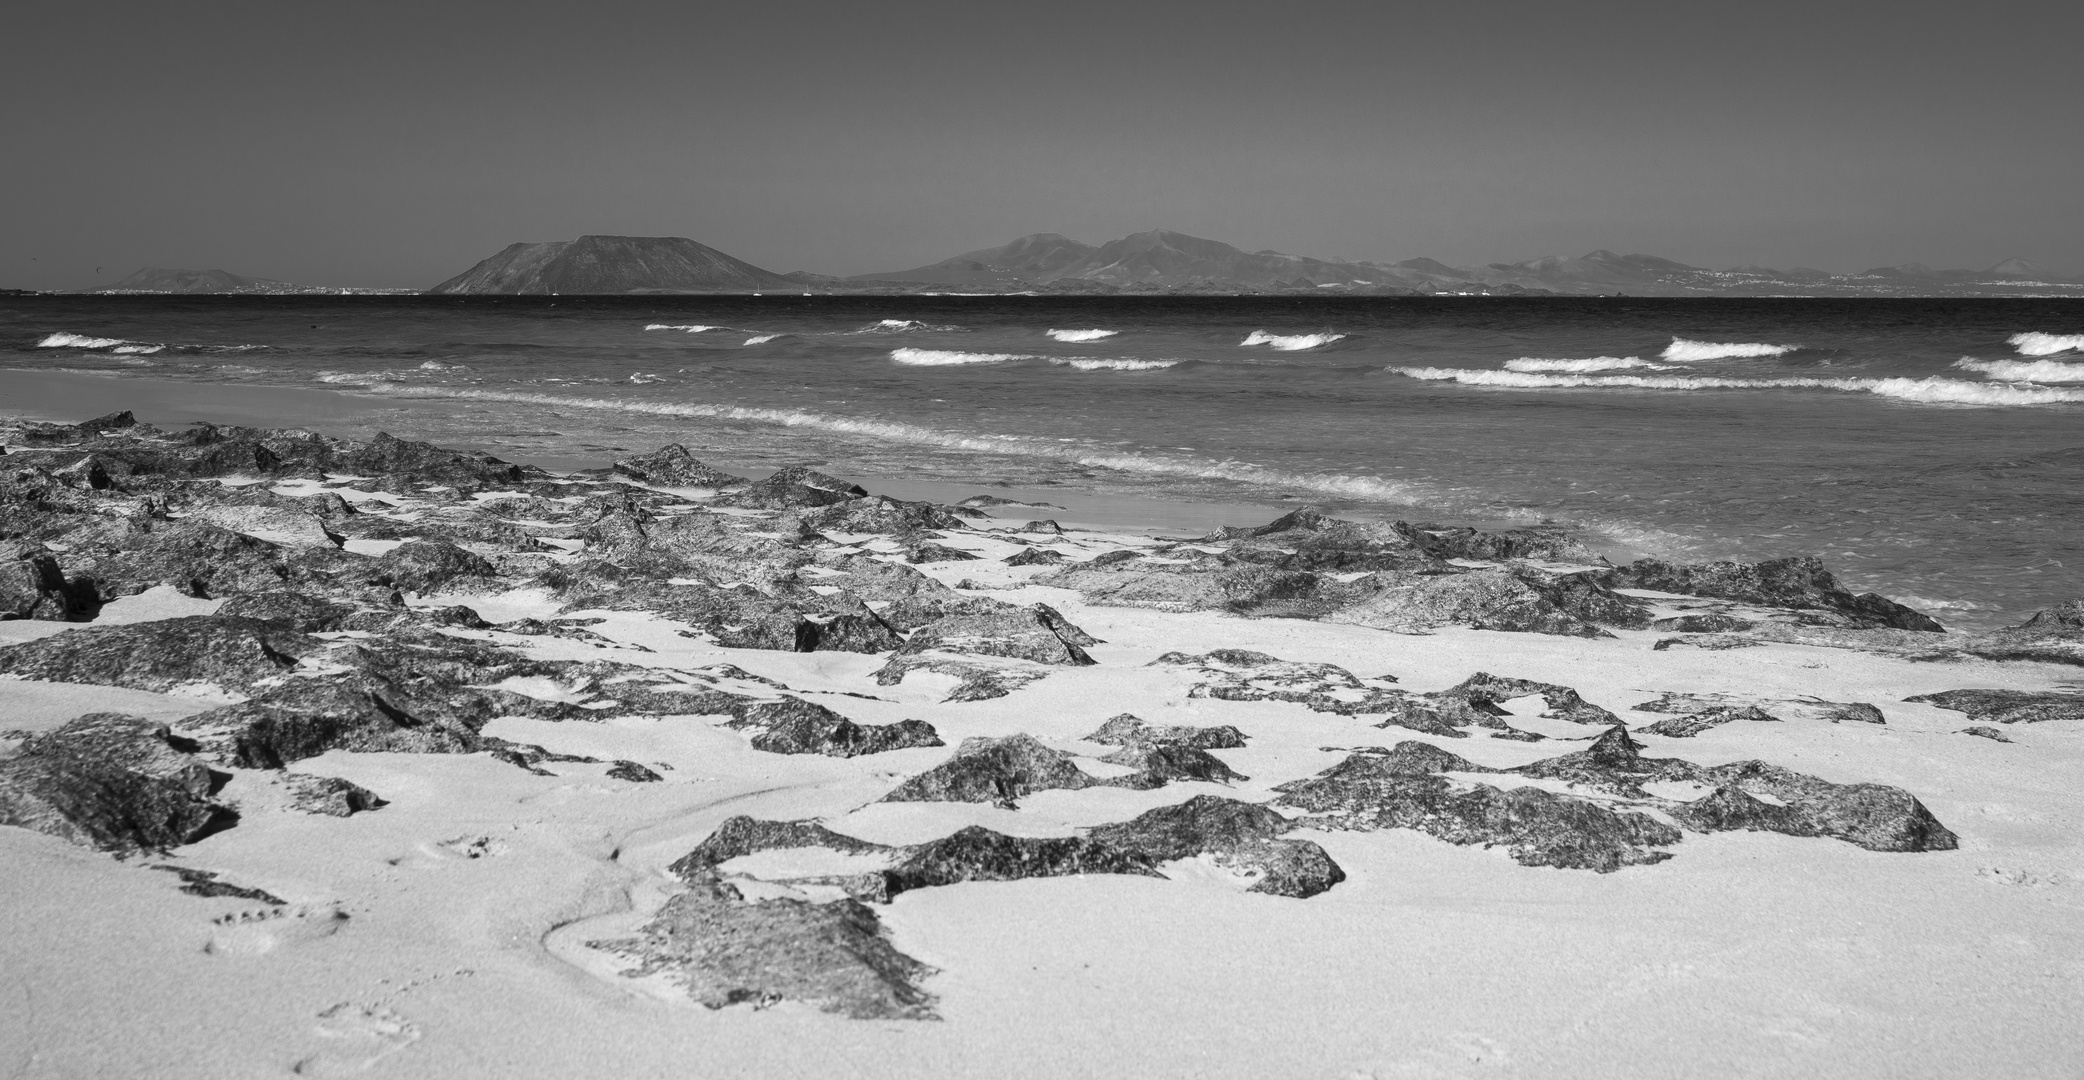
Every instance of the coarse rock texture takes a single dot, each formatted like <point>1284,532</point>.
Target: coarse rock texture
<point>1244,675</point>
<point>1241,834</point>
<point>794,487</point>
<point>1796,583</point>
<point>724,950</point>
<point>1129,730</point>
<point>795,726</point>
<point>111,781</point>
<point>329,795</point>
<point>1691,724</point>
<point>32,586</point>
<point>998,770</point>
<point>229,653</point>
<point>674,466</point>
<point>2009,706</point>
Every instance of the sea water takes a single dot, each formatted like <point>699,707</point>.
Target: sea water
<point>1929,449</point>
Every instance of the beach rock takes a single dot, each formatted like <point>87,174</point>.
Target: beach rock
<point>795,726</point>
<point>1036,556</point>
<point>793,487</point>
<point>1482,599</point>
<point>933,553</point>
<point>307,717</point>
<point>995,770</point>
<point>1709,623</point>
<point>1873,816</point>
<point>1711,642</point>
<point>231,653</point>
<point>740,836</point>
<point>980,680</point>
<point>2053,635</point>
<point>111,781</point>
<point>426,463</point>
<point>1612,764</point>
<point>1851,712</point>
<point>674,466</point>
<point>197,558</point>
<point>1686,727</point>
<point>980,854</point>
<point>293,528</point>
<point>1996,706</point>
<point>727,950</point>
<point>632,772</point>
<point>1535,826</point>
<point>426,566</point>
<point>288,608</point>
<point>1038,634</point>
<point>1799,583</point>
<point>1548,542</point>
<point>206,883</point>
<point>1243,836</point>
<point>1307,539</point>
<point>1127,729</point>
<point>880,514</point>
<point>328,795</point>
<point>1486,691</point>
<point>1244,675</point>
<point>1984,732</point>
<point>1161,763</point>
<point>32,585</point>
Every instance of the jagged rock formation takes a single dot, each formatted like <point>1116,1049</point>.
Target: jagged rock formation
<point>2010,706</point>
<point>111,781</point>
<point>613,264</point>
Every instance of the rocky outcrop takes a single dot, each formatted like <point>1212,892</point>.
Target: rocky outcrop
<point>1244,675</point>
<point>1796,583</point>
<point>795,726</point>
<point>674,466</point>
<point>231,653</point>
<point>2009,706</point>
<point>111,781</point>
<point>1691,724</point>
<point>1000,770</point>
<point>32,586</point>
<point>1037,634</point>
<point>1128,730</point>
<point>1243,836</point>
<point>794,487</point>
<point>727,950</point>
<point>329,795</point>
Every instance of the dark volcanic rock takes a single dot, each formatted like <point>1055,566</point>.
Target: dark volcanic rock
<point>1244,675</point>
<point>674,466</point>
<point>880,514</point>
<point>726,950</point>
<point>1036,556</point>
<point>1873,816</point>
<point>1160,763</point>
<point>632,772</point>
<point>1710,623</point>
<point>1612,764</point>
<point>2002,706</point>
<point>32,585</point>
<point>1800,583</point>
<point>329,795</point>
<point>1686,727</point>
<point>933,553</point>
<point>1484,689</point>
<point>795,726</point>
<point>741,835</point>
<point>425,566</point>
<point>1128,730</point>
<point>1983,732</point>
<point>794,487</point>
<point>1037,634</point>
<point>297,611</point>
<point>1483,599</point>
<point>196,558</point>
<point>2053,635</point>
<point>204,883</point>
<point>994,770</point>
<point>228,651</point>
<point>1537,827</point>
<point>979,854</point>
<point>1241,835</point>
<point>111,781</point>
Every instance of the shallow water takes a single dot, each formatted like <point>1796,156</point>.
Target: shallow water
<point>1914,444</point>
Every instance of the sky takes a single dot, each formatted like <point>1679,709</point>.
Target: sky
<point>394,145</point>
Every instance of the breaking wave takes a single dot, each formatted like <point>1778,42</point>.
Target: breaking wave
<point>2043,371</point>
<point>1938,390</point>
<point>2037,344</point>
<point>1593,363</point>
<point>1373,488</point>
<point>1682,349</point>
<point>903,326</point>
<point>761,339</point>
<point>944,357</point>
<point>1082,335</point>
<point>695,328</point>
<point>1290,342</point>
<point>1087,363</point>
<point>82,341</point>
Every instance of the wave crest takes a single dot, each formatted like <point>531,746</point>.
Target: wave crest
<point>2033,343</point>
<point>761,339</point>
<point>1090,363</point>
<point>1591,363</point>
<point>904,326</point>
<point>1082,335</point>
<point>82,341</point>
<point>694,328</point>
<point>946,357</point>
<point>1934,389</point>
<point>2040,371</point>
<point>1290,342</point>
<point>1684,349</point>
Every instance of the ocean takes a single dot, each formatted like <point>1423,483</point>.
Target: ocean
<point>1932,450</point>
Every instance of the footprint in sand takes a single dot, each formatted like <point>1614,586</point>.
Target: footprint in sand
<point>360,1036</point>
<point>431,854</point>
<point>259,931</point>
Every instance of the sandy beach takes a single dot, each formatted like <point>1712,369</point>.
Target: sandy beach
<point>466,926</point>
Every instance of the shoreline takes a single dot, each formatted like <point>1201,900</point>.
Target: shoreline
<point>579,689</point>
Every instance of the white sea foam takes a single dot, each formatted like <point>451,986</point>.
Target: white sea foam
<point>2038,344</point>
<point>1094,363</point>
<point>1082,335</point>
<point>1947,391</point>
<point>761,339</point>
<point>640,378</point>
<point>944,357</point>
<point>81,341</point>
<point>1290,342</point>
<point>902,326</point>
<point>137,350</point>
<point>1590,363</point>
<point>2040,371</point>
<point>1357,487</point>
<point>692,329</point>
<point>1682,349</point>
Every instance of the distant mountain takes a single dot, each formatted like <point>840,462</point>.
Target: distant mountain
<point>1028,260</point>
<point>154,279</point>
<point>2019,269</point>
<point>614,264</point>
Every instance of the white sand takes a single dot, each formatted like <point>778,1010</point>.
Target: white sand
<point>444,935</point>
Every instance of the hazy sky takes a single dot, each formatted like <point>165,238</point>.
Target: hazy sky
<point>387,144</point>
